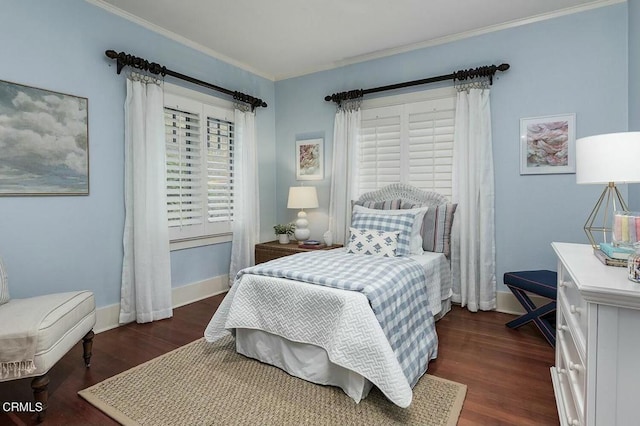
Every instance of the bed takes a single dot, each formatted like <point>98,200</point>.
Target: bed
<point>371,326</point>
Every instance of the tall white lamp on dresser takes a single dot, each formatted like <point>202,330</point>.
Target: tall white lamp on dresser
<point>596,377</point>
<point>607,160</point>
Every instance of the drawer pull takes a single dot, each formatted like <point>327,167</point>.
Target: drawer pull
<point>572,421</point>
<point>575,367</point>
<point>575,310</point>
<point>562,371</point>
<point>565,283</point>
<point>563,328</point>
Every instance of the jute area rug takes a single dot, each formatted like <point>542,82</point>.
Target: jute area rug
<point>210,384</point>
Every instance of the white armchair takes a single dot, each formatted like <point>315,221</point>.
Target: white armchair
<point>36,332</point>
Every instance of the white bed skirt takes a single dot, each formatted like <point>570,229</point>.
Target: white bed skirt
<point>308,362</point>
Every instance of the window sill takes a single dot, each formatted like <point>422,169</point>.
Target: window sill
<point>199,242</point>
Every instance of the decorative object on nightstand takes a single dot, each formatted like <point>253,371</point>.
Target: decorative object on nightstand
<point>607,159</point>
<point>284,231</point>
<point>302,197</point>
<point>328,238</point>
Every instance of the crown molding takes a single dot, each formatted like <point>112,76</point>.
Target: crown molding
<point>176,37</point>
<point>354,59</point>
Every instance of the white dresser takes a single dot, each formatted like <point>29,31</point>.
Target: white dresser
<point>596,378</point>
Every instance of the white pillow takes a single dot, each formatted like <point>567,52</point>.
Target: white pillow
<point>373,242</point>
<point>416,235</point>
<point>4,284</point>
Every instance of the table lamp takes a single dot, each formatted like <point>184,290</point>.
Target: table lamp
<point>302,197</point>
<point>607,159</point>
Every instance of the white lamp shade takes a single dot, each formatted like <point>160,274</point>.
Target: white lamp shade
<point>612,157</point>
<point>302,197</point>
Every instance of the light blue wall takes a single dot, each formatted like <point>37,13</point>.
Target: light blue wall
<point>66,243</point>
<point>576,63</point>
<point>634,87</point>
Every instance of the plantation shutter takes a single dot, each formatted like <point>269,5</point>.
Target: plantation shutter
<point>430,140</point>
<point>220,135</point>
<point>184,168</point>
<point>407,143</point>
<point>379,148</point>
<point>199,154</point>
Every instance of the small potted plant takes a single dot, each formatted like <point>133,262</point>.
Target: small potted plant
<point>284,231</point>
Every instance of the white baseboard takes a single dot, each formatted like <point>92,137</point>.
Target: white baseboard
<point>107,317</point>
<point>507,303</point>
<point>199,290</point>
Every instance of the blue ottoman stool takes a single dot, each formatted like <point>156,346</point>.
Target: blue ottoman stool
<point>543,283</point>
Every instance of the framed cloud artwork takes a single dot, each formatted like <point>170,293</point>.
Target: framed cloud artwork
<point>548,144</point>
<point>309,159</point>
<point>44,142</point>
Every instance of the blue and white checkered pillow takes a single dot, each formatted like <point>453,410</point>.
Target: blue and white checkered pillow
<point>403,223</point>
<point>373,242</point>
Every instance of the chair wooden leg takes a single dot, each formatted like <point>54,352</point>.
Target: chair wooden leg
<point>87,345</point>
<point>40,387</point>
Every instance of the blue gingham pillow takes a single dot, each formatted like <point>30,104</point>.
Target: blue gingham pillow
<point>403,223</point>
<point>373,242</point>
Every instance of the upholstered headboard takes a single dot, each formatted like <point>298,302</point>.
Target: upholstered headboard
<point>401,191</point>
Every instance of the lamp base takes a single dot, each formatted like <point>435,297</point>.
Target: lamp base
<point>606,205</point>
<point>302,233</point>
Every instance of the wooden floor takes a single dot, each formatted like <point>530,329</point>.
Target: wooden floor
<point>506,371</point>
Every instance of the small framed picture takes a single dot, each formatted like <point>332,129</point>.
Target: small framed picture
<point>548,144</point>
<point>309,159</point>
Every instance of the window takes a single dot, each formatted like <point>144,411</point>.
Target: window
<point>199,153</point>
<point>407,139</point>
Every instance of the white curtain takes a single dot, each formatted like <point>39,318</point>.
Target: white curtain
<point>473,189</point>
<point>246,202</point>
<point>344,173</point>
<point>146,269</point>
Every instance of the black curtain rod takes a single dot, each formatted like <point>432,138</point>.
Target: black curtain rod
<point>123,59</point>
<point>485,71</point>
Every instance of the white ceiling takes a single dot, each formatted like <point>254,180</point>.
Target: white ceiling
<point>279,39</point>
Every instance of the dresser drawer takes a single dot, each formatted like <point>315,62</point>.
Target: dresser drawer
<point>568,324</point>
<point>566,407</point>
<point>571,365</point>
<point>576,312</point>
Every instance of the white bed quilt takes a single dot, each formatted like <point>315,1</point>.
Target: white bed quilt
<point>341,322</point>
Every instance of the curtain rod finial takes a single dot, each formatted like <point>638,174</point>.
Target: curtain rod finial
<point>111,54</point>
<point>503,67</point>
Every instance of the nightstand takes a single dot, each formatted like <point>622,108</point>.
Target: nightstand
<point>273,250</point>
